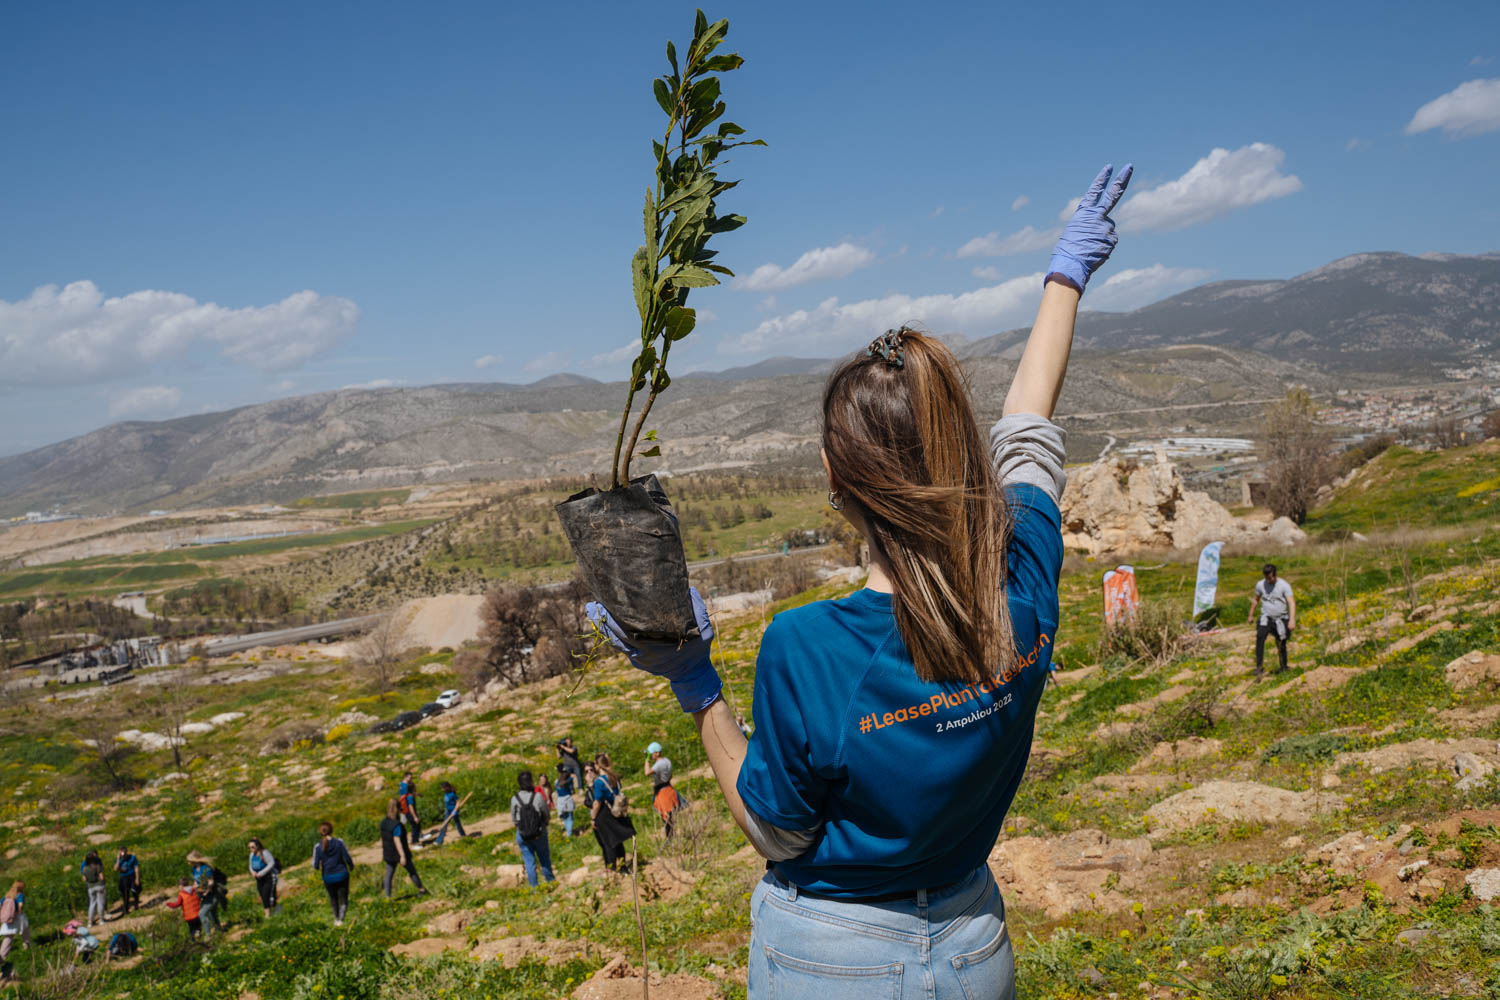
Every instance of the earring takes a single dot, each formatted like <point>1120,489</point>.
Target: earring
<point>836,499</point>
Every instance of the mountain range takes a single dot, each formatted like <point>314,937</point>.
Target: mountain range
<point>1366,319</point>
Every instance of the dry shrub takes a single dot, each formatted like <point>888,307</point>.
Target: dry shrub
<point>529,634</point>
<point>1154,635</point>
<point>290,734</point>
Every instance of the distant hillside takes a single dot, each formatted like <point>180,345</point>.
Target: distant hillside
<point>1372,312</point>
<point>1387,314</point>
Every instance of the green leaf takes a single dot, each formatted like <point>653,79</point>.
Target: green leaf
<point>640,274</point>
<point>700,24</point>
<point>672,55</point>
<point>691,276</point>
<point>679,323</point>
<point>661,381</point>
<point>652,452</point>
<point>650,435</point>
<point>663,96</point>
<point>730,128</point>
<point>643,363</point>
<point>722,64</point>
<point>650,220</point>
<point>699,186</point>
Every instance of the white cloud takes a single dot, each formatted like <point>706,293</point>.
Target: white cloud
<point>766,304</point>
<point>1136,287</point>
<point>618,356</point>
<point>989,273</point>
<point>815,265</point>
<point>1217,184</point>
<point>833,326</point>
<point>1021,202</point>
<point>70,335</point>
<point>1069,209</point>
<point>935,212</point>
<point>1471,108</point>
<point>1356,145</point>
<point>159,400</point>
<point>285,384</point>
<point>704,316</point>
<point>551,361</point>
<point>1025,240</point>
<point>488,360</point>
<point>375,383</point>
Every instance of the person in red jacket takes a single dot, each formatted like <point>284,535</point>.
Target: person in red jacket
<point>188,902</point>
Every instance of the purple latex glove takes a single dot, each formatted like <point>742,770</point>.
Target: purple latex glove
<point>1089,237</point>
<point>687,666</point>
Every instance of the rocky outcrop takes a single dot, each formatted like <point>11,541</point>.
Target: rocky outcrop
<point>1473,669</point>
<point>1236,802</point>
<point>1069,874</point>
<point>1113,506</point>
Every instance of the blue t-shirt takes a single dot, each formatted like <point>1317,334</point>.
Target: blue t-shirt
<point>450,803</point>
<point>910,780</point>
<point>127,865</point>
<point>602,791</point>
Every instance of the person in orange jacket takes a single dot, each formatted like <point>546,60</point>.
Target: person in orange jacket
<point>188,902</point>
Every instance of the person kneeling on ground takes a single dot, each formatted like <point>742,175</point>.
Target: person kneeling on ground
<point>392,837</point>
<point>84,942</point>
<point>528,810</point>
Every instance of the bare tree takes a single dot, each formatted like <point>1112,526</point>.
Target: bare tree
<point>98,729</point>
<point>1491,425</point>
<point>1294,448</point>
<point>531,633</point>
<point>1447,432</point>
<point>379,650</point>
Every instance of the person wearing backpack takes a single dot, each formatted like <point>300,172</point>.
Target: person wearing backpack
<point>395,850</point>
<point>407,793</point>
<point>128,873</point>
<point>207,883</point>
<point>92,871</point>
<point>611,813</point>
<point>266,871</point>
<point>528,810</point>
<point>191,905</point>
<point>332,861</point>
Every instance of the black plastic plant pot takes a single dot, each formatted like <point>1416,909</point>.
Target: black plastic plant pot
<point>629,552</point>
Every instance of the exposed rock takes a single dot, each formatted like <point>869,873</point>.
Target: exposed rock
<point>1111,506</point>
<point>1174,754</point>
<point>1318,679</point>
<point>1174,693</point>
<point>1236,801</point>
<point>1406,872</point>
<point>1355,852</point>
<point>171,777</point>
<point>1133,782</point>
<point>1437,754</point>
<point>1484,883</point>
<point>1411,641</point>
<point>1473,669</point>
<point>1472,771</point>
<point>511,876</point>
<point>197,728</point>
<point>353,718</point>
<point>1482,717</point>
<point>428,946</point>
<point>448,924</point>
<point>148,741</point>
<point>619,981</point>
<point>510,951</point>
<point>1413,936</point>
<point>1067,874</point>
<point>225,718</point>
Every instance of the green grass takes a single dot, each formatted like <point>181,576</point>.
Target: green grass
<point>353,501</point>
<point>1421,489</point>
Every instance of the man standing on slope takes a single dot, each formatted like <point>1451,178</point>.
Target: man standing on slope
<point>1278,615</point>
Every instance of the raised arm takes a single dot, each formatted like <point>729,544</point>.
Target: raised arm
<point>1085,244</point>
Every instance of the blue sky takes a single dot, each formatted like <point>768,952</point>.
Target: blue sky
<point>208,205</point>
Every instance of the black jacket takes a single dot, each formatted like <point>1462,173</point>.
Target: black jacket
<point>390,831</point>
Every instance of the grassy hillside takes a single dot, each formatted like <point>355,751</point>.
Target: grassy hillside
<point>1129,862</point>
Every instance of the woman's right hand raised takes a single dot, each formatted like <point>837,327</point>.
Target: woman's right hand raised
<point>1089,237</point>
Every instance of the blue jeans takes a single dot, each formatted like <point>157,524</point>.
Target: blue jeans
<point>567,819</point>
<point>946,944</point>
<point>534,852</point>
<point>458,825</point>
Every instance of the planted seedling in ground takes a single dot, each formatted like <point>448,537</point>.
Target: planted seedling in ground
<point>627,541</point>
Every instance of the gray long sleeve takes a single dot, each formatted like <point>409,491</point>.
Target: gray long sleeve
<point>1030,449</point>
<point>774,843</point>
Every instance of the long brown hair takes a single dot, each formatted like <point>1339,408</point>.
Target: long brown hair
<point>903,446</point>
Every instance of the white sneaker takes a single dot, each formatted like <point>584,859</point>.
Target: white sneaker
<point>338,923</point>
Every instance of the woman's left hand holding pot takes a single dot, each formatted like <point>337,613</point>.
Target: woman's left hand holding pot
<point>687,666</point>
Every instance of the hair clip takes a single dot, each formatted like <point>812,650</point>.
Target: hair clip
<point>888,348</point>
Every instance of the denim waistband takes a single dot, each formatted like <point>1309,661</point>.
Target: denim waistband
<point>914,895</point>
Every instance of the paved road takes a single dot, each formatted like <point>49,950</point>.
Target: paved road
<point>287,636</point>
